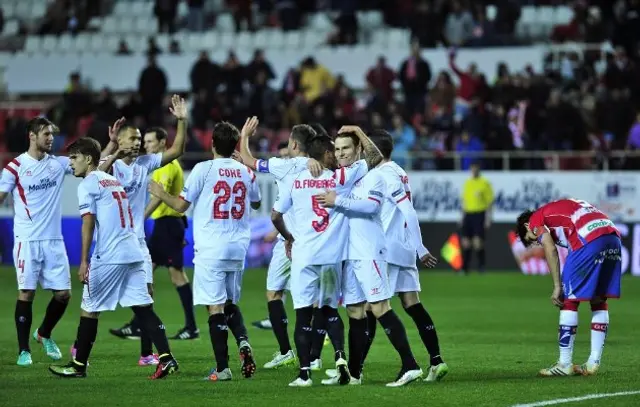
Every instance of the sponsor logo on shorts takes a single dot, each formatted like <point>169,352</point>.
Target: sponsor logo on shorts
<point>376,193</point>
<point>398,192</point>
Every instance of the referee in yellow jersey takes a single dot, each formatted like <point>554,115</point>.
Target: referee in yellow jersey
<point>167,239</point>
<point>477,203</point>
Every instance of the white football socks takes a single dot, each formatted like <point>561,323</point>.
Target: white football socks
<point>599,327</point>
<point>567,335</point>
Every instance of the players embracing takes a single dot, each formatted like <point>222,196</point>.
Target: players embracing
<point>591,272</point>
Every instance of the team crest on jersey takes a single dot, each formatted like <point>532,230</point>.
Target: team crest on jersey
<point>28,173</point>
<point>136,171</point>
<point>120,175</point>
<point>51,169</point>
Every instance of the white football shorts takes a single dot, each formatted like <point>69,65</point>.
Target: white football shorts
<point>217,281</point>
<point>404,279</point>
<point>316,284</point>
<point>148,264</point>
<point>41,261</point>
<point>365,281</point>
<point>112,284</point>
<point>279,272</point>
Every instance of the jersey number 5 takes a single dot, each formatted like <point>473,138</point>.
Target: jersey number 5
<point>239,192</point>
<point>321,225</point>
<point>119,197</point>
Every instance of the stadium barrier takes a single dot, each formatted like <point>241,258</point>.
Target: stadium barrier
<point>436,197</point>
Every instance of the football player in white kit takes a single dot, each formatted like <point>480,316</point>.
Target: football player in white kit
<point>221,190</point>
<point>404,240</point>
<point>365,277</point>
<point>279,271</point>
<point>317,242</point>
<point>34,180</point>
<point>114,274</point>
<point>132,171</point>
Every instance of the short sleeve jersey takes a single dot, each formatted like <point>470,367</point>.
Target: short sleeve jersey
<point>572,223</point>
<point>135,179</point>
<point>396,189</point>
<point>321,234</point>
<point>36,188</point>
<point>102,195</point>
<point>221,191</point>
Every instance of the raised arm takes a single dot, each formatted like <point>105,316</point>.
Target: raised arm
<point>372,155</point>
<point>249,128</point>
<point>112,146</point>
<point>179,110</point>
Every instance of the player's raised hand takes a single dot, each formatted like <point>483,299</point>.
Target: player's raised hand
<point>155,189</point>
<point>250,126</point>
<point>352,129</point>
<point>315,168</point>
<point>178,107</point>
<point>83,273</point>
<point>429,261</point>
<point>328,199</point>
<point>557,297</point>
<point>113,130</point>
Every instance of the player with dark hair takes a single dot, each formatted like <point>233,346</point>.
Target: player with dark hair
<point>117,263</point>
<point>222,236</point>
<point>592,272</point>
<point>34,180</point>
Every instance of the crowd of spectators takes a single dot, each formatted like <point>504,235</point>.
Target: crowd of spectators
<point>579,102</point>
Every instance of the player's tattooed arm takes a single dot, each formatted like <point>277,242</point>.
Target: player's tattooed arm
<point>112,146</point>
<point>248,130</point>
<point>174,202</point>
<point>179,110</point>
<point>553,260</point>
<point>278,223</point>
<point>372,155</point>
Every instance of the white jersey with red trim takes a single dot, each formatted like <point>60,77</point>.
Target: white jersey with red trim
<point>221,191</point>
<point>135,180</point>
<point>36,188</point>
<point>321,234</point>
<point>400,246</point>
<point>366,234</point>
<point>282,168</point>
<point>102,195</point>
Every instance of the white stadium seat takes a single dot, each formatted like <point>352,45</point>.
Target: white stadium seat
<point>225,23</point>
<point>226,40</point>
<point>492,12</point>
<point>11,27</point>
<point>563,15</point>
<point>33,44</point>
<point>293,40</point>
<point>49,43</point>
<point>122,8</point>
<point>38,10</point>
<point>110,44</point>
<point>245,40</point>
<point>23,9</point>
<point>96,44</point>
<point>82,43</point>
<point>66,44</point>
<point>109,25</point>
<point>320,22</point>
<point>137,8</point>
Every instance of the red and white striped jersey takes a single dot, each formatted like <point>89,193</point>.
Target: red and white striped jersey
<point>572,223</point>
<point>36,188</point>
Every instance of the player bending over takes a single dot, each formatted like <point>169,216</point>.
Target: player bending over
<point>317,245</point>
<point>591,272</point>
<point>365,277</point>
<point>117,273</point>
<point>221,190</point>
<point>279,272</point>
<point>34,180</point>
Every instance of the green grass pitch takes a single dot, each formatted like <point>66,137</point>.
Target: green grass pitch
<point>496,331</point>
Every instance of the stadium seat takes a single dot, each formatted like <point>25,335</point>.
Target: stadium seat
<point>312,39</point>
<point>8,10</point>
<point>96,44</point>
<point>11,27</point>
<point>292,40</point>
<point>225,23</point>
<point>146,25</point>
<point>563,15</point>
<point>33,44</point>
<point>245,40</point>
<point>398,38</point>
<point>374,19</point>
<point>122,8</point>
<point>38,10</point>
<point>277,40</point>
<point>380,38</point>
<point>492,12</point>
<point>109,25</point>
<point>262,38</point>
<point>65,44</point>
<point>23,9</point>
<point>226,40</point>
<point>82,43</point>
<point>126,25</point>
<point>208,41</point>
<point>49,43</point>
<point>183,9</point>
<point>137,8</point>
<point>163,40</point>
<point>320,22</point>
<point>110,43</point>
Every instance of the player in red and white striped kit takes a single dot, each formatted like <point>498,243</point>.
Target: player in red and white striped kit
<point>34,180</point>
<point>591,273</point>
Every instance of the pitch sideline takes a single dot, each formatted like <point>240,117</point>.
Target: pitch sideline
<point>580,398</point>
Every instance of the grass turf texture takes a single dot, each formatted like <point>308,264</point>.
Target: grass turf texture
<point>496,331</point>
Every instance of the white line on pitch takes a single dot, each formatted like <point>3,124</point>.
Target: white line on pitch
<point>581,398</point>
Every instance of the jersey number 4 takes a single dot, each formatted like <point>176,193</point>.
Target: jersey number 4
<point>239,192</point>
<point>319,225</point>
<point>119,197</point>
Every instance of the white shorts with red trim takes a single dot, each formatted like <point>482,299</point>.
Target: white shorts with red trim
<point>365,281</point>
<point>315,284</point>
<point>111,284</point>
<point>216,282</point>
<point>404,279</point>
<point>148,265</point>
<point>41,261</point>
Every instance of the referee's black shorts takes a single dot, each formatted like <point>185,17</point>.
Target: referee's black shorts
<point>473,225</point>
<point>166,241</point>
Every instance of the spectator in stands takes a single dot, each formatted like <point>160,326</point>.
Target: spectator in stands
<point>105,109</point>
<point>259,64</point>
<point>633,141</point>
<point>468,146</point>
<point>166,11</point>
<point>152,87</point>
<point>133,108</point>
<point>508,14</point>
<point>346,23</point>
<point>458,29</point>
<point>76,104</point>
<point>627,31</point>
<point>415,75</point>
<point>483,33</point>
<point>262,101</point>
<point>241,10</point>
<point>315,80</point>
<point>380,78</point>
<point>195,18</point>
<point>205,75</point>
<point>404,139</point>
<point>425,25</point>
<point>234,76</point>
<point>470,81</point>
<point>123,48</point>
<point>289,14</point>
